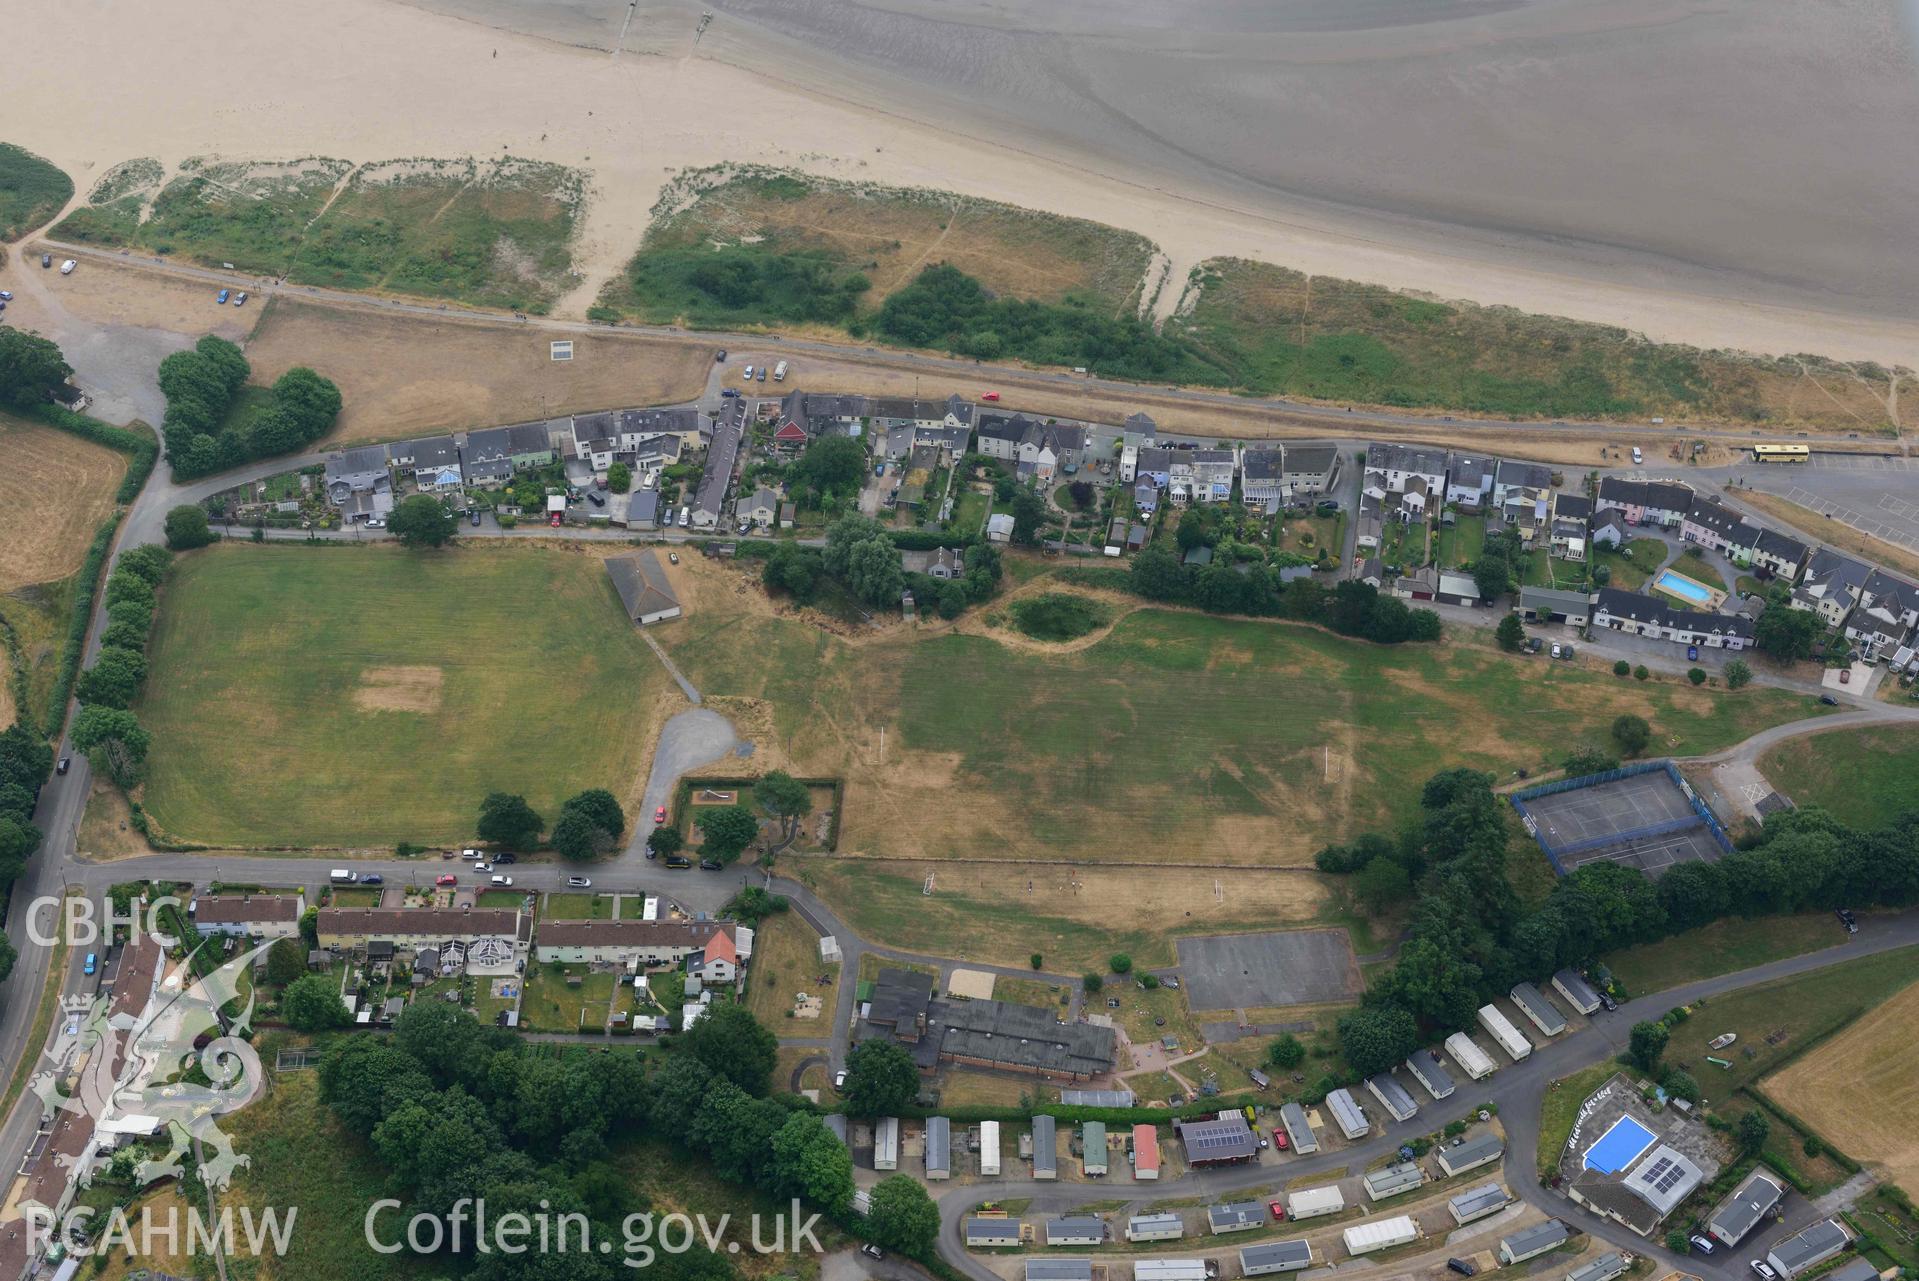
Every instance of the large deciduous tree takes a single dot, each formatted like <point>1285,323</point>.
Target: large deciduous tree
<point>785,798</point>
<point>508,821</point>
<point>903,1216</point>
<point>312,1003</point>
<point>30,368</point>
<point>733,1045</point>
<point>880,1078</point>
<point>726,831</point>
<point>421,520</point>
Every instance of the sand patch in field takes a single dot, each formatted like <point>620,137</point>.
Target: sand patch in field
<point>399,689</point>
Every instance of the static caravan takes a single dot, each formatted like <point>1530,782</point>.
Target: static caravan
<point>1169,1270</point>
<point>1310,1203</point>
<point>1392,1096</point>
<point>1472,1060</point>
<point>992,1234</point>
<point>1470,1154</point>
<point>1434,1079</point>
<point>1236,1216</point>
<point>1750,1202</point>
<point>1508,1037</point>
<point>1045,1148</point>
<point>1391,1180</point>
<point>1380,1234</point>
<point>1275,1256</point>
<point>989,1148</point>
<point>1530,1243</point>
<point>1081,1229</point>
<point>1609,1265</point>
<point>1092,1142</point>
<point>1347,1114</point>
<point>1806,1250</point>
<point>1578,993</point>
<point>1145,1152</point>
<point>1080,1269</point>
<point>1155,1227</point>
<point>1534,1005</point>
<point>886,1143</point>
<point>1477,1203</point>
<point>939,1148</point>
<point>1299,1131</point>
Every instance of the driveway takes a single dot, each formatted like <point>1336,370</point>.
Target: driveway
<point>688,741</point>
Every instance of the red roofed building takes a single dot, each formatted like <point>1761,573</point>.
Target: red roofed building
<point>720,963</point>
<point>1145,1152</point>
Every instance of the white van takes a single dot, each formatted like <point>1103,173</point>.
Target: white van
<point>779,372</point>
<point>686,517</point>
<point>66,268</point>
<point>342,876</point>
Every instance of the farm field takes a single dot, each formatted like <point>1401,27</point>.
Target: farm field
<point>1864,778</point>
<point>55,489</point>
<point>1281,332</point>
<point>1240,742</point>
<point>758,246</point>
<point>492,234</point>
<point>365,696</point>
<point>32,190</point>
<point>1859,1091</point>
<point>1779,1020</point>
<point>405,376</point>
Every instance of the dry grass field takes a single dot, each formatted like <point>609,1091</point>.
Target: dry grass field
<point>1859,1091</point>
<point>401,376</point>
<point>1863,777</point>
<point>786,962</point>
<point>55,489</point>
<point>1220,741</point>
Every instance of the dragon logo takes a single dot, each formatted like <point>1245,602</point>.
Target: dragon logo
<point>179,1064</point>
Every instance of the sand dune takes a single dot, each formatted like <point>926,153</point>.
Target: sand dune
<point>1719,225</point>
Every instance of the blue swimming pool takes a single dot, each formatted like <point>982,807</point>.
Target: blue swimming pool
<point>1681,586</point>
<point>1618,1147</point>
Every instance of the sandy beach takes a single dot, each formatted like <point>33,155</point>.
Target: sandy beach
<point>366,80</point>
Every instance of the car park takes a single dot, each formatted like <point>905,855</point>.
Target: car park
<point>746,374</point>
<point>222,298</point>
<point>446,879</point>
<point>578,883</point>
<point>762,373</point>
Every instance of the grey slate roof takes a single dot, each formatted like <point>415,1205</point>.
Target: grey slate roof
<point>1481,1147</point>
<point>1536,1237</point>
<point>1275,1255</point>
<point>1261,464</point>
<point>991,1233</point>
<point>1783,546</point>
<point>1312,460</point>
<point>717,475</point>
<point>1397,1100</point>
<point>1041,1269</point>
<point>1235,1216</point>
<point>1603,1268</point>
<point>1581,993</point>
<point>1651,612</point>
<point>1740,1212</point>
<point>1438,1082</point>
<point>1524,475</point>
<point>1072,1227</point>
<point>641,583</point>
<point>1804,1249</point>
<point>1480,1200</point>
<point>433,451</point>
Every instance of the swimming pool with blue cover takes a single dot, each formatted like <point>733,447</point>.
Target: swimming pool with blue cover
<point>1679,585</point>
<point>1619,1146</point>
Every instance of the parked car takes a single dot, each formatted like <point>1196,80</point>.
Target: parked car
<point>672,558</point>
<point>762,373</point>
<point>1764,1269</point>
<point>473,519</point>
<point>61,768</point>
<point>872,1251</point>
<point>1606,999</point>
<point>839,1079</point>
<point>46,260</point>
<point>93,963</point>
<point>678,862</point>
<point>555,521</point>
<point>447,879</point>
<point>1279,1210</point>
<point>375,522</point>
<point>1845,676</point>
<point>240,299</point>
<point>581,882</point>
<point>991,395</point>
<point>1534,644</point>
<point>746,374</point>
<point>502,859</point>
<point>1462,1267</point>
<point>373,878</point>
<point>1847,919</point>
<point>719,357</point>
<point>66,268</point>
<point>1562,651</point>
<point>482,866</point>
<point>729,393</point>
<point>659,815</point>
<point>1692,653</point>
<point>6,295</point>
<point>1829,700</point>
<point>501,882</point>
<point>222,299</point>
<point>712,865</point>
<point>1701,1243</point>
<point>596,499</point>
<point>1280,1141</point>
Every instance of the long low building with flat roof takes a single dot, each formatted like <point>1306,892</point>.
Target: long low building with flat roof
<point>1803,1251</point>
<point>1391,1180</point>
<point>1045,1147</point>
<point>1748,1203</point>
<point>1481,1149</point>
<point>992,1234</point>
<point>1221,1141</point>
<point>1477,1203</point>
<point>1076,1229</point>
<point>1604,1268</point>
<point>1578,992</point>
<point>1531,1242</point>
<point>1275,1256</point>
<point>1040,1269</point>
<point>1236,1216</point>
<point>1433,1078</point>
<point>1299,1128</point>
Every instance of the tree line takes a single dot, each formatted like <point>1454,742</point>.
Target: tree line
<point>456,1110</point>
<point>107,729</point>
<point>1471,937</point>
<point>201,386</point>
<point>1351,608</point>
<point>862,556</point>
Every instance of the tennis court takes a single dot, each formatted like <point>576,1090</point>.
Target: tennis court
<point>1619,1146</point>
<point>1643,820</point>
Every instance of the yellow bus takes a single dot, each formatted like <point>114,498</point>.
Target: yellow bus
<point>1780,453</point>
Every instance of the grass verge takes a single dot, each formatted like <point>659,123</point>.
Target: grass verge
<point>1864,778</point>
<point>1724,947</point>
